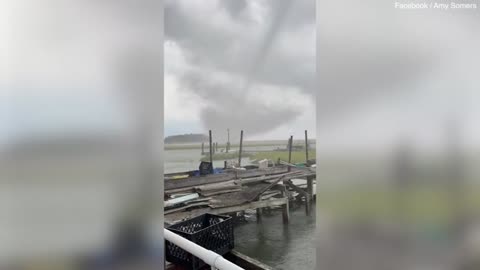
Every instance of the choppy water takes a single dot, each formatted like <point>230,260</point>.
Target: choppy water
<point>282,246</point>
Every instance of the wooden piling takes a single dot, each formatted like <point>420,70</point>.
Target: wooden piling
<point>310,185</point>
<point>240,150</point>
<point>309,199</point>
<point>304,194</point>
<point>285,207</point>
<point>203,148</point>
<point>307,206</point>
<point>211,148</point>
<point>290,142</point>
<point>227,148</point>
<point>306,147</point>
<point>259,215</point>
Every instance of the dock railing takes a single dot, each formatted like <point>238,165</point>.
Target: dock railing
<point>211,258</point>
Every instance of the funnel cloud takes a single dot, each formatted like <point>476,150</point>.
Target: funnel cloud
<point>250,66</point>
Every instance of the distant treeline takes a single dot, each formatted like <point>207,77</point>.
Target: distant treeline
<point>186,138</point>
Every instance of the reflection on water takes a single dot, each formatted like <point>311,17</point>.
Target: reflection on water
<point>281,246</point>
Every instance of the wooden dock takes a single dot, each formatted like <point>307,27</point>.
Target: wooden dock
<point>235,191</point>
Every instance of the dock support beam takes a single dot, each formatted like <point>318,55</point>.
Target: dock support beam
<point>227,148</point>
<point>290,142</point>
<point>308,208</point>
<point>240,150</point>
<point>306,147</point>
<point>211,148</point>
<point>259,215</point>
<point>309,198</point>
<point>310,185</point>
<point>286,206</point>
<point>305,194</point>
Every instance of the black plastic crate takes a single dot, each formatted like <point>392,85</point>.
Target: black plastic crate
<point>212,232</point>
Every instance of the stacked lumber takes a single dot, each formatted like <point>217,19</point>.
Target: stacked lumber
<point>210,190</point>
<point>227,190</point>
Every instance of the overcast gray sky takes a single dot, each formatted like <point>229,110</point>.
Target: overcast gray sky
<point>240,64</point>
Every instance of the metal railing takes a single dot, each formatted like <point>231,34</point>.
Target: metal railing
<point>211,258</point>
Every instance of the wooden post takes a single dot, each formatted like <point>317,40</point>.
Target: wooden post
<point>259,215</point>
<point>303,193</point>
<point>285,209</point>
<point>309,197</point>
<point>203,148</point>
<point>211,148</point>
<point>240,150</point>
<point>307,205</point>
<point>290,149</point>
<point>306,147</point>
<point>227,148</point>
<point>310,185</point>
<point>290,142</point>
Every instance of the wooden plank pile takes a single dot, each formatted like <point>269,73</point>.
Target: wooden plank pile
<point>235,189</point>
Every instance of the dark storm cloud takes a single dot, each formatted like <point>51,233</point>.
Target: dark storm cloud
<point>279,15</point>
<point>215,47</point>
<point>244,48</point>
<point>234,7</point>
<point>228,106</point>
<point>265,117</point>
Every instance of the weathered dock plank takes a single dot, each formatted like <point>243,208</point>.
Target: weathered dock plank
<point>166,212</point>
<point>221,177</point>
<point>197,180</point>
<point>237,191</point>
<point>247,194</point>
<point>272,202</point>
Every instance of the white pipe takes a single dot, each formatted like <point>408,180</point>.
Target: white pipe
<point>211,258</point>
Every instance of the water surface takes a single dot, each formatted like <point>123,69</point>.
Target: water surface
<point>281,246</point>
